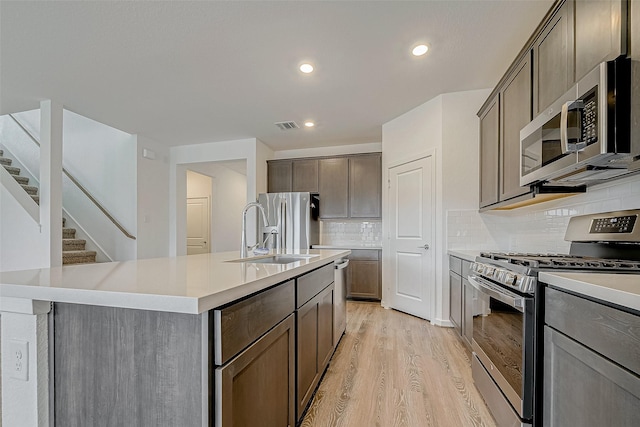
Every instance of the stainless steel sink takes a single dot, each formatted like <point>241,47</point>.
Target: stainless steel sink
<point>275,259</point>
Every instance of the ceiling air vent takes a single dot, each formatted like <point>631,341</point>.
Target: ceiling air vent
<point>287,125</point>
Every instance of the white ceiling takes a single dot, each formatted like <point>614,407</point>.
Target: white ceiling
<point>193,72</point>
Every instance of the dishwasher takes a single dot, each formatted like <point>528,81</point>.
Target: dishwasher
<point>340,299</point>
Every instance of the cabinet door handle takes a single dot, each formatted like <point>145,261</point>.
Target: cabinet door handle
<point>426,246</point>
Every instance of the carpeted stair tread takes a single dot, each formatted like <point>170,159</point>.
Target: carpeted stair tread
<point>13,170</point>
<point>30,189</point>
<point>35,198</point>
<point>5,162</point>
<point>78,257</point>
<point>73,244</point>
<point>21,179</point>
<point>68,233</point>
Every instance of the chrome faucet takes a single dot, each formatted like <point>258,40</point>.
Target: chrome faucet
<point>243,244</point>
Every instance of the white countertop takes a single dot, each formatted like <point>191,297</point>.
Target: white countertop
<point>348,246</point>
<point>186,284</point>
<point>468,255</point>
<point>620,289</point>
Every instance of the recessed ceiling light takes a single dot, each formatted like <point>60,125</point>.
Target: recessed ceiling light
<point>420,50</point>
<point>309,124</point>
<point>306,68</point>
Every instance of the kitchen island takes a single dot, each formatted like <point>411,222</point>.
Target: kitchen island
<point>166,341</point>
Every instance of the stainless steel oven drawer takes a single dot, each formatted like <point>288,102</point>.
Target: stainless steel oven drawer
<point>500,408</point>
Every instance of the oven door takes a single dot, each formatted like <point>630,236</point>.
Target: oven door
<point>503,341</point>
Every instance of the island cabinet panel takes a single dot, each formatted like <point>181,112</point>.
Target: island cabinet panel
<point>257,387</point>
<point>314,323</point>
<point>239,324</point>
<point>312,283</point>
<point>115,366</point>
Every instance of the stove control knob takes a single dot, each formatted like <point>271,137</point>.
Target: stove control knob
<point>509,278</point>
<point>488,271</point>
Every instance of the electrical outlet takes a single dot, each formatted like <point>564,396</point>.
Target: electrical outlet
<point>19,360</point>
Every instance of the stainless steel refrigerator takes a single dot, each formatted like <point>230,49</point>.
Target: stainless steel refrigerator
<point>293,220</point>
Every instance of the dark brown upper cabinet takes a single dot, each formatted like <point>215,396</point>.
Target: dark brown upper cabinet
<point>573,38</point>
<point>334,187</point>
<point>600,33</point>
<point>279,175</point>
<point>515,111</point>
<point>305,175</point>
<point>365,186</point>
<point>489,151</point>
<point>553,59</point>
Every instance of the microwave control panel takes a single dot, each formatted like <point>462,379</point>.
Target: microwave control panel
<point>618,224</point>
<point>589,119</point>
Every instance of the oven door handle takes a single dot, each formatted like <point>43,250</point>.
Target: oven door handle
<point>498,293</point>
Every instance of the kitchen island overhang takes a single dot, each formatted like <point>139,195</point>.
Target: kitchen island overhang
<point>190,284</point>
<point>169,287</point>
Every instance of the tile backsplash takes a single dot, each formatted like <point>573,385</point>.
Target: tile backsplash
<point>537,228</point>
<point>343,232</point>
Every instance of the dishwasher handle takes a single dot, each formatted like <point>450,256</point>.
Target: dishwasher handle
<point>341,265</point>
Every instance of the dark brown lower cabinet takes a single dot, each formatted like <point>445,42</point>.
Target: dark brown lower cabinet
<point>256,388</point>
<point>315,344</point>
<point>363,281</point>
<point>455,300</point>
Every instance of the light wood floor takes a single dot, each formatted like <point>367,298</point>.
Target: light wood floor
<point>392,369</point>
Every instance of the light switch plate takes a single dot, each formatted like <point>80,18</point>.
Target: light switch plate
<point>19,360</point>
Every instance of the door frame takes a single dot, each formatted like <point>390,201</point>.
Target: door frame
<point>386,254</point>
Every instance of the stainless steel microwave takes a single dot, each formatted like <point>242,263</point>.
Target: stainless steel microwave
<point>585,135</point>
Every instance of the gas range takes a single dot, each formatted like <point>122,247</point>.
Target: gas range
<point>606,242</point>
<point>519,271</point>
<point>509,315</point>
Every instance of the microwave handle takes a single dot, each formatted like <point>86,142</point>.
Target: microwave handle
<point>564,124</point>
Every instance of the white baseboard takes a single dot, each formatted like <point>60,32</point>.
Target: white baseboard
<point>443,323</point>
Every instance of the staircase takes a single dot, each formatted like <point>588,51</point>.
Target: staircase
<point>73,250</point>
<point>22,180</point>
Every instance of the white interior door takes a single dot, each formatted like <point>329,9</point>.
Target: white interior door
<point>198,225</point>
<point>411,210</point>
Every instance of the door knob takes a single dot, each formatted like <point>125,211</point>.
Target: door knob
<point>426,246</point>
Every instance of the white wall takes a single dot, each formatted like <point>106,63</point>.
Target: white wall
<point>102,158</point>
<point>227,201</point>
<point>19,235</point>
<point>104,161</point>
<point>448,127</point>
<point>152,200</point>
<point>253,151</point>
<point>537,228</point>
<point>374,147</point>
